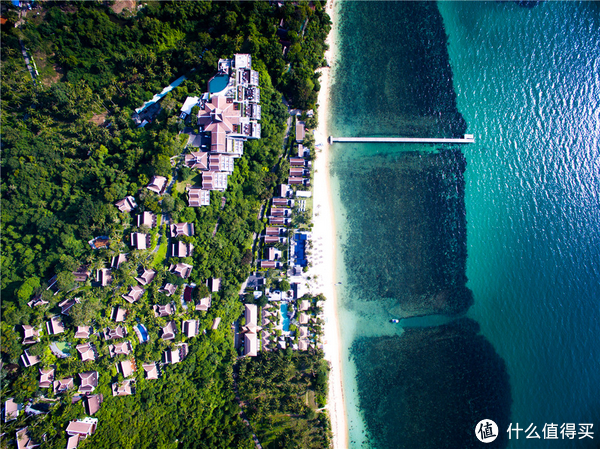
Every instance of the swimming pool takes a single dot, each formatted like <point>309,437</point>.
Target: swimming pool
<point>285,317</point>
<point>143,333</point>
<point>218,83</point>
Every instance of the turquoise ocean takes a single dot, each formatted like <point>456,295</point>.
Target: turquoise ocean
<point>487,253</point>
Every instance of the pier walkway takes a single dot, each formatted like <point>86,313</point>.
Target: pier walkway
<point>468,138</point>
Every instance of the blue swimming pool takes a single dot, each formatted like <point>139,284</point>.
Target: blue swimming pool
<point>285,317</point>
<point>218,83</point>
<point>143,332</point>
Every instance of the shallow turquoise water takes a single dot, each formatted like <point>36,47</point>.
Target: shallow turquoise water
<point>526,82</point>
<point>285,317</point>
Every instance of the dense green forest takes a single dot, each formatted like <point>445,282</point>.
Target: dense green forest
<point>70,150</point>
<point>281,391</point>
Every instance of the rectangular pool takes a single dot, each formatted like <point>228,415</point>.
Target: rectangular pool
<point>285,317</point>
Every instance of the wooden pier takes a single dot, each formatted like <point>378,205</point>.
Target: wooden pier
<point>468,138</point>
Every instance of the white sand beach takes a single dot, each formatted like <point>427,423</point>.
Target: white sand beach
<point>324,252</point>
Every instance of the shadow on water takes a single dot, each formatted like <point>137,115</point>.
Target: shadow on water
<point>429,387</point>
<point>407,230</point>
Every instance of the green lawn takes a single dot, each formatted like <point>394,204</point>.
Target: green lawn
<point>161,254</point>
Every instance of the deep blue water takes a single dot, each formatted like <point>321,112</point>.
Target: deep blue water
<point>528,85</point>
<point>506,229</point>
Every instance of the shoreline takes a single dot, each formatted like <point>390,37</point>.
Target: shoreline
<point>324,242</point>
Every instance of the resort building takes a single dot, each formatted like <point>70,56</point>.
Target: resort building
<point>126,367</point>
<point>161,310</point>
<point>140,241</point>
<point>197,159</point>
<point>151,370</point>
<point>88,382</point>
<point>182,270</point>
<point>190,328</point>
<point>283,202</point>
<point>134,294</point>
<point>281,221</point>
<point>30,334</point>
<point>124,388</point>
<point>92,403</point>
<point>182,229</point>
<point>79,430</point>
<point>11,410</point>
<point>168,289</point>
<point>298,162</point>
<point>274,239</point>
<point>275,230</point>
<point>270,264</point>
<point>168,332</point>
<point>297,180</point>
<point>227,116</point>
<point>29,360</point>
<point>84,331</point>
<point>120,348</point>
<point>299,171</point>
<point>86,351</point>
<point>113,334</point>
<point>198,197</point>
<point>116,261</point>
<point>157,185</point>
<point>280,212</point>
<point>216,322</point>
<point>46,378</point>
<point>118,314</point>
<point>66,304</point>
<point>37,301</point>
<point>146,277</point>
<point>204,304</point>
<point>188,104</point>
<point>24,440</point>
<point>55,326</point>
<point>127,204</point>
<point>273,253</point>
<point>300,132</point>
<point>147,219</point>
<point>176,354</point>
<point>213,284</point>
<point>81,275</point>
<point>213,180</point>
<point>250,330</point>
<point>181,249</point>
<point>220,163</point>
<point>103,277</point>
<point>62,385</point>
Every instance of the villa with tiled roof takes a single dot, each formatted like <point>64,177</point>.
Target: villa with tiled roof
<point>86,351</point>
<point>46,378</point>
<point>134,294</point>
<point>88,381</point>
<point>127,204</point>
<point>151,370</point>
